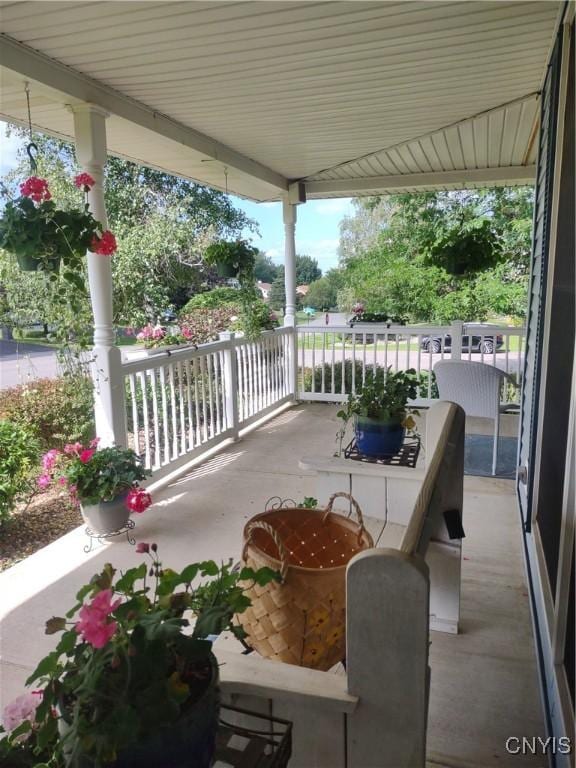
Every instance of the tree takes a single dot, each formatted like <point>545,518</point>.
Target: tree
<point>323,293</point>
<point>439,256</point>
<point>162,225</point>
<point>264,268</point>
<point>307,270</point>
<point>277,299</point>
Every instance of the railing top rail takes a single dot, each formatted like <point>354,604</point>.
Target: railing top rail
<point>165,357</point>
<point>423,330</point>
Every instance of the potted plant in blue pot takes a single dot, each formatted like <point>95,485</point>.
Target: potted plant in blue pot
<point>380,412</point>
<point>132,682</point>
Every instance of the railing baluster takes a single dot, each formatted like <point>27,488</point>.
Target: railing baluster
<point>165,427</point>
<point>333,382</point>
<point>209,375</point>
<point>135,424</point>
<point>174,413</point>
<point>191,435</point>
<point>156,424</point>
<point>145,418</point>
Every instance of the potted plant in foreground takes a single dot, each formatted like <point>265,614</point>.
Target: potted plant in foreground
<point>104,483</point>
<point>380,412</point>
<point>131,681</point>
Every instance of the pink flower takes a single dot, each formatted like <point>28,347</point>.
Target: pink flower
<point>84,181</point>
<point>49,459</point>
<point>43,481</point>
<point>73,448</point>
<point>142,548</point>
<point>138,500</point>
<point>158,332</point>
<point>21,709</point>
<point>86,455</point>
<point>105,245</point>
<point>94,442</point>
<point>36,189</point>
<point>94,625</point>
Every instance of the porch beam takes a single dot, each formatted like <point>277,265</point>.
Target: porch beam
<point>68,82</point>
<point>109,408</point>
<point>440,179</point>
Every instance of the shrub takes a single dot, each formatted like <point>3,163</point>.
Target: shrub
<point>55,411</point>
<point>218,297</point>
<point>372,376</point>
<point>19,453</point>
<point>204,325</point>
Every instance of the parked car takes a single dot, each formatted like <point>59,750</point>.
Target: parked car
<point>485,343</point>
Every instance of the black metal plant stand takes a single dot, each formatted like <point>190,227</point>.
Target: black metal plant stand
<point>407,456</point>
<point>252,739</point>
<point>100,538</point>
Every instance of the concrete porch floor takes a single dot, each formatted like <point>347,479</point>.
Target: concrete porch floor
<point>484,685</point>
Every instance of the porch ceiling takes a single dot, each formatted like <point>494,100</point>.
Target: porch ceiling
<point>352,97</point>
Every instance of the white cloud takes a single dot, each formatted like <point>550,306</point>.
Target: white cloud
<point>274,253</point>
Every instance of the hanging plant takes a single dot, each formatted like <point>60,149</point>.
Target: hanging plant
<point>46,238</point>
<point>232,258</point>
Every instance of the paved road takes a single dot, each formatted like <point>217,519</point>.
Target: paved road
<point>21,362</point>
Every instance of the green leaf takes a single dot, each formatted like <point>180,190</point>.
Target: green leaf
<point>55,624</point>
<point>189,573</point>
<point>212,621</point>
<point>127,581</point>
<point>46,667</point>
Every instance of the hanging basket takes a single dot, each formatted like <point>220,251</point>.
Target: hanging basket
<point>226,270</point>
<point>301,620</point>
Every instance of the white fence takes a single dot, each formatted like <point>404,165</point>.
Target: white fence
<point>335,361</point>
<point>186,401</point>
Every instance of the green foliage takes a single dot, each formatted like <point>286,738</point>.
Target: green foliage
<point>19,452</point>
<point>385,399</point>
<point>135,667</point>
<point>264,268</point>
<point>277,297</point>
<point>439,256</point>
<point>213,299</point>
<point>103,475</point>
<point>307,270</point>
<point>235,257</point>
<point>56,411</point>
<point>322,294</point>
<point>162,225</point>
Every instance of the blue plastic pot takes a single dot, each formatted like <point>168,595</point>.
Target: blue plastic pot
<point>378,438</point>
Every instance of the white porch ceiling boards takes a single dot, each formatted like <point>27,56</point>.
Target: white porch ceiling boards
<point>326,91</point>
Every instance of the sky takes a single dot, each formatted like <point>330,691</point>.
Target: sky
<point>317,227</point>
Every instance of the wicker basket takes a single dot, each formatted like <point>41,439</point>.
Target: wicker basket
<point>301,620</point>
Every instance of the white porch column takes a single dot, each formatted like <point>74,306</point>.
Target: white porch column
<point>109,405</point>
<point>289,213</point>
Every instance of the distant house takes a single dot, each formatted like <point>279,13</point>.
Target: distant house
<point>302,289</point>
<point>264,289</point>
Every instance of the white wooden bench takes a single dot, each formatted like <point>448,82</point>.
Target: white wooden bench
<point>373,714</point>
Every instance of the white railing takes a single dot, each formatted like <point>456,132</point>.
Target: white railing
<point>334,361</point>
<point>186,401</point>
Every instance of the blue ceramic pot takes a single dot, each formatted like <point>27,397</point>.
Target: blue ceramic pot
<point>378,438</point>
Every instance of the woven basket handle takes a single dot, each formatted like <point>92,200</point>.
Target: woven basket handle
<point>277,540</point>
<point>355,505</point>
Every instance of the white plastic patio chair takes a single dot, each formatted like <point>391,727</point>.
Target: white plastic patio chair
<point>475,387</point>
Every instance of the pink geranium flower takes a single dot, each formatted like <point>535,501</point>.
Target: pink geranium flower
<point>138,500</point>
<point>49,459</point>
<point>84,181</point>
<point>43,481</point>
<point>105,245</point>
<point>142,548</point>
<point>94,625</point>
<point>36,189</point>
<point>21,709</point>
<point>86,455</point>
